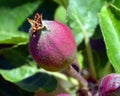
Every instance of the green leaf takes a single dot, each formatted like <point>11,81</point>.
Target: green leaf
<point>60,14</point>
<point>18,67</point>
<point>38,80</point>
<point>50,80</point>
<point>62,2</point>
<point>16,64</point>
<point>11,19</point>
<point>83,17</point>
<point>65,84</point>
<point>109,23</point>
<point>18,74</point>
<point>117,3</point>
<point>14,57</point>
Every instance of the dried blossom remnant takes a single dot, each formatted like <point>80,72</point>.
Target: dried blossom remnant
<point>36,24</point>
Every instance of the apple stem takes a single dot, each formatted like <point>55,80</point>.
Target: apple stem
<point>88,49</point>
<point>83,82</point>
<point>90,58</point>
<point>106,69</point>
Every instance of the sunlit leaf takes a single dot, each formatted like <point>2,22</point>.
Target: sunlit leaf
<point>83,17</point>
<point>60,14</point>
<point>18,74</point>
<point>10,21</point>
<point>16,64</point>
<point>110,23</point>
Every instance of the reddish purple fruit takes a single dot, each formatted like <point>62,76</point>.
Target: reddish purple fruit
<point>52,44</point>
<point>110,85</point>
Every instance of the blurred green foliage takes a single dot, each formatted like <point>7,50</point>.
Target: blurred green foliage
<point>98,19</point>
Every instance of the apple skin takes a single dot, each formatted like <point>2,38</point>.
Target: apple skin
<point>53,47</point>
<point>110,85</point>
